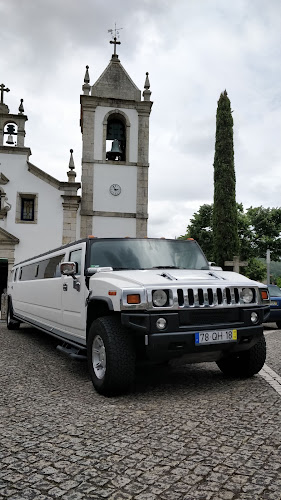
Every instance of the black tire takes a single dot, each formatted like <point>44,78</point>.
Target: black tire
<point>12,324</point>
<point>245,363</point>
<point>278,323</point>
<point>111,356</point>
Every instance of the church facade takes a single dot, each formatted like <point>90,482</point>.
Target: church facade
<point>39,212</point>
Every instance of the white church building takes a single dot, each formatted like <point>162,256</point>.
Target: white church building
<point>39,212</point>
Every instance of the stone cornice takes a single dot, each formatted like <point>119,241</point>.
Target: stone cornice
<point>69,186</point>
<point>91,103</point>
<point>144,107</point>
<point>130,164</point>
<point>13,117</point>
<point>126,215</point>
<point>98,213</point>
<point>15,150</point>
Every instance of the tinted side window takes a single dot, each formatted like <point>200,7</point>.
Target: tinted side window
<point>48,268</point>
<point>28,272</point>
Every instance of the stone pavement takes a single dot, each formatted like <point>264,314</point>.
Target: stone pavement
<point>186,433</point>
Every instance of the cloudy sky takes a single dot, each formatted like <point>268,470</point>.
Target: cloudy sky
<point>193,50</point>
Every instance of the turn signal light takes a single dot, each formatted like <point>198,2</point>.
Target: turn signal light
<point>112,292</point>
<point>264,295</point>
<point>133,299</point>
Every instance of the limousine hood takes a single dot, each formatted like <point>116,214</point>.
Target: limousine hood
<point>165,277</point>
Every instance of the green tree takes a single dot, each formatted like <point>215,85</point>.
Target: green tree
<point>225,228</point>
<point>259,228</point>
<point>266,229</point>
<point>255,270</point>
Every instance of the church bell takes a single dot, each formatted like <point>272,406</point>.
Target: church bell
<point>115,148</point>
<point>10,139</point>
<point>116,152</point>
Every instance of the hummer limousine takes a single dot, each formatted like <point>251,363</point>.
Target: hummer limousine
<point>124,300</point>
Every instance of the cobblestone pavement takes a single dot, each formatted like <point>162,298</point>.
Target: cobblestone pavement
<point>185,433</point>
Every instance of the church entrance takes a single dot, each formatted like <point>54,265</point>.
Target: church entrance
<point>3,276</point>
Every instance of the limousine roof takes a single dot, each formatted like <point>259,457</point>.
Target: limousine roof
<point>89,238</point>
<point>52,251</point>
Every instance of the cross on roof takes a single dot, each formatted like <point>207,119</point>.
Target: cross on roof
<point>2,90</point>
<point>115,36</point>
<point>115,43</point>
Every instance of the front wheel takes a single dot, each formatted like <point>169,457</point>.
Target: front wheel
<point>278,323</point>
<point>245,363</point>
<point>12,324</point>
<point>111,356</point>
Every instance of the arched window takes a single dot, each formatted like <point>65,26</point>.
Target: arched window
<point>10,134</point>
<point>116,138</point>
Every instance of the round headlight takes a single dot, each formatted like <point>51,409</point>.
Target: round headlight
<point>161,323</point>
<point>254,318</point>
<point>159,298</point>
<point>247,295</point>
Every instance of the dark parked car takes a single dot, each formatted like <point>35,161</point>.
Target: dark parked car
<point>275,305</point>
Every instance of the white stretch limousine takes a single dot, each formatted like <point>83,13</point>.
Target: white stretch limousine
<point>124,300</point>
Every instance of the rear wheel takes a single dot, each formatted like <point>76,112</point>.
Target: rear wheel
<point>245,363</point>
<point>111,356</point>
<point>12,324</point>
<point>278,323</point>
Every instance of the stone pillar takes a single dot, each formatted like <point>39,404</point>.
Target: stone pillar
<point>4,306</point>
<point>7,251</point>
<point>70,204</point>
<point>144,109</point>
<point>88,107</point>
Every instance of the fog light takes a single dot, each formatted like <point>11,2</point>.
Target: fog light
<point>161,323</point>
<point>254,317</point>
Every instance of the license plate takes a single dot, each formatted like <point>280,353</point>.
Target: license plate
<point>215,337</point>
<point>273,303</point>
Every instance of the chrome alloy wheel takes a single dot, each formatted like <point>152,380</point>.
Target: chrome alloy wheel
<point>99,357</point>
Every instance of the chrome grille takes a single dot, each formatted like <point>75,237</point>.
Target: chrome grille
<point>211,296</point>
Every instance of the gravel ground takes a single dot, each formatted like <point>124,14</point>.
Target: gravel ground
<point>185,433</point>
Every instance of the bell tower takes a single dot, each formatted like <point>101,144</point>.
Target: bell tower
<point>115,136</point>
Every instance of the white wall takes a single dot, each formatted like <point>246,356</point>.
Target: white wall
<point>104,176</point>
<point>114,227</point>
<point>98,132</point>
<point>47,233</point>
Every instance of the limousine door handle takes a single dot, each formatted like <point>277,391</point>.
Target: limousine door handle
<point>64,287</point>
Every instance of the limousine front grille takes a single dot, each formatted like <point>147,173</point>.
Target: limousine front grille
<point>210,296</point>
<point>209,316</point>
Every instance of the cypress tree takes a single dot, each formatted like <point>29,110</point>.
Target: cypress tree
<point>225,231</point>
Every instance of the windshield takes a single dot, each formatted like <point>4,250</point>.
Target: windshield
<point>274,291</point>
<point>147,254</point>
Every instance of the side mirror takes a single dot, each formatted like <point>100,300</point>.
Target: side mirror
<point>68,268</point>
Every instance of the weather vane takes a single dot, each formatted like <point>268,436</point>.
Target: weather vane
<point>115,36</point>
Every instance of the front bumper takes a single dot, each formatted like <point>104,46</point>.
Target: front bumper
<point>174,344</point>
<point>178,338</point>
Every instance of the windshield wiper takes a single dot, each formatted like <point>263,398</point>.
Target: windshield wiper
<point>124,269</point>
<point>166,267</point>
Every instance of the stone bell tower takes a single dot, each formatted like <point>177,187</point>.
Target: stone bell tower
<point>115,135</point>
